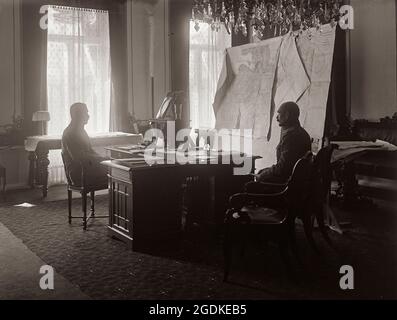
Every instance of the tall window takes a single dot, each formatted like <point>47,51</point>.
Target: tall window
<point>78,66</point>
<point>207,50</point>
<point>78,70</point>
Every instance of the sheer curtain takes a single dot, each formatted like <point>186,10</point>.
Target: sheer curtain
<point>207,50</point>
<point>78,70</point>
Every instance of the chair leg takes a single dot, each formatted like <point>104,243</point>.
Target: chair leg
<point>227,254</point>
<point>70,206</point>
<point>283,247</point>
<point>243,243</point>
<point>84,205</point>
<point>308,228</point>
<point>92,195</point>
<point>293,242</point>
<point>323,228</point>
<point>4,183</point>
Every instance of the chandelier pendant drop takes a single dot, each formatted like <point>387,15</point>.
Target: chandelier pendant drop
<point>279,16</point>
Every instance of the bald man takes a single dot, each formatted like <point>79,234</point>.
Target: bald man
<point>77,150</point>
<point>294,143</point>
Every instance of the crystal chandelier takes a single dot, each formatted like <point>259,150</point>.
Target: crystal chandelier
<point>280,16</point>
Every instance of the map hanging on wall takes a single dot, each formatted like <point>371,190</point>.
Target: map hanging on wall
<point>316,49</point>
<point>245,87</point>
<point>257,78</point>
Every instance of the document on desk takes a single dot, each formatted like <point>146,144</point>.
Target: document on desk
<point>139,161</point>
<point>343,145</point>
<point>131,147</point>
<point>348,148</point>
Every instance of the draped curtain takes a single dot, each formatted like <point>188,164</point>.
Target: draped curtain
<point>34,55</point>
<point>78,66</point>
<point>118,53</point>
<point>207,50</point>
<point>78,70</point>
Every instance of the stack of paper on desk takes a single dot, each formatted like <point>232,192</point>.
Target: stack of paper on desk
<point>343,145</point>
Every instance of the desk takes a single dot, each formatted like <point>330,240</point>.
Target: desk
<point>145,205</point>
<point>39,147</point>
<point>362,157</point>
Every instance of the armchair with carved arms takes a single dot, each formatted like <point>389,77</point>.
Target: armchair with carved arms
<point>269,216</point>
<point>317,208</point>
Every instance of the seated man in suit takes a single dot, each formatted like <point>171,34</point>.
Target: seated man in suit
<point>77,150</point>
<point>294,143</point>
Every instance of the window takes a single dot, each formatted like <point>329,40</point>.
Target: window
<point>207,50</point>
<point>78,66</point>
<point>78,70</point>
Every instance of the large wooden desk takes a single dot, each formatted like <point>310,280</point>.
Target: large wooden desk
<point>39,147</point>
<point>376,159</point>
<point>359,157</point>
<point>145,205</point>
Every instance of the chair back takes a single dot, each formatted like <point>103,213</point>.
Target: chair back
<point>67,173</point>
<point>323,171</point>
<point>299,183</point>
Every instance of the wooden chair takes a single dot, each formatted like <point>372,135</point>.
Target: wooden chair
<point>271,216</point>
<point>83,188</point>
<point>317,207</point>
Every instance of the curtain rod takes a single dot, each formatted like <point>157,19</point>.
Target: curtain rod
<point>78,9</point>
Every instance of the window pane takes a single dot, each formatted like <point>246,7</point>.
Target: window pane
<point>78,66</point>
<point>207,49</point>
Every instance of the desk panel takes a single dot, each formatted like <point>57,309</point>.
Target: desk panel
<point>145,206</point>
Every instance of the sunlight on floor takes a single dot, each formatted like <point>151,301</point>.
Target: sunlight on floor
<point>25,205</point>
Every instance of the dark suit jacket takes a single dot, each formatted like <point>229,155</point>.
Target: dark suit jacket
<point>294,143</point>
<point>77,151</point>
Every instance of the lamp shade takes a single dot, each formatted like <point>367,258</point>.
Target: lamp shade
<point>41,116</point>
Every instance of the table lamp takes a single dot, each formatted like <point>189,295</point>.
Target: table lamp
<point>42,116</point>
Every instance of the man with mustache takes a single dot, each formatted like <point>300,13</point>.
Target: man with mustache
<point>294,143</point>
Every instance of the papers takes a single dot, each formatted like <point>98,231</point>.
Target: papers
<point>386,145</point>
<point>349,148</point>
<point>130,147</point>
<point>250,87</point>
<point>343,145</point>
<point>244,96</point>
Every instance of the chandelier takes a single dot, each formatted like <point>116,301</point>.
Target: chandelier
<point>280,16</point>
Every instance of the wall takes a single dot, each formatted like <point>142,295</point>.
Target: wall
<point>180,15</point>
<point>15,160</point>
<point>373,59</point>
<point>10,66</point>
<point>148,47</point>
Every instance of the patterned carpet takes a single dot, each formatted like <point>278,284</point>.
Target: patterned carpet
<point>104,268</point>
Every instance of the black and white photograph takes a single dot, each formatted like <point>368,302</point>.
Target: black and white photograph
<point>198,156</point>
